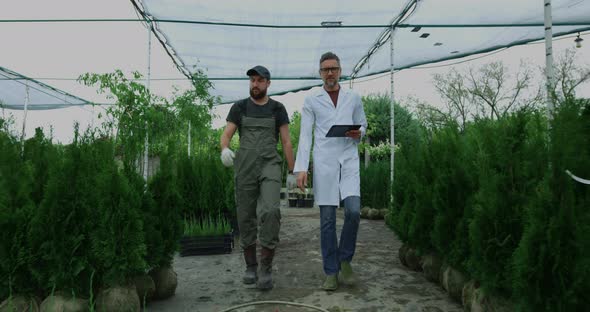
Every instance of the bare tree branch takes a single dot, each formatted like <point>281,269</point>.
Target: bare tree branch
<point>569,75</point>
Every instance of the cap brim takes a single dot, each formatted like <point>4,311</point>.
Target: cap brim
<point>253,72</point>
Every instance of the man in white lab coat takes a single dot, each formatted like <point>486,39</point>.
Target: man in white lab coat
<point>335,166</point>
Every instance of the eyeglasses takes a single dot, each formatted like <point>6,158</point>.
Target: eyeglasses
<point>329,69</point>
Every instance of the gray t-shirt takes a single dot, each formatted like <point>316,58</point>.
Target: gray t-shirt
<point>250,109</point>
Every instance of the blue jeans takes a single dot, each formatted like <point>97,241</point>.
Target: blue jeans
<point>332,252</point>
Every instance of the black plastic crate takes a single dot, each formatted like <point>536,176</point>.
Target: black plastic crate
<point>206,245</point>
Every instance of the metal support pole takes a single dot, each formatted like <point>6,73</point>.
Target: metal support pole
<point>549,58</point>
<point>391,117</point>
<point>23,134</point>
<point>149,72</point>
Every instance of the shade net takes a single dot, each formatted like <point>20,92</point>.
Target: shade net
<point>15,88</point>
<point>287,37</point>
<point>226,38</point>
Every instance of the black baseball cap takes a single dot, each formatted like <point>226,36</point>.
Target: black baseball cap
<point>260,71</point>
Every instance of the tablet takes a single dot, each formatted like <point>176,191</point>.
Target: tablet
<point>340,130</point>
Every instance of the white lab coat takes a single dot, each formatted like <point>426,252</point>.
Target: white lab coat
<point>335,160</point>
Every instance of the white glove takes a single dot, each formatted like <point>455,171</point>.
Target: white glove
<point>227,157</point>
<point>291,181</point>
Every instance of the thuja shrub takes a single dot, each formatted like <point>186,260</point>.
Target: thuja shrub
<point>407,188</point>
<point>166,212</point>
<point>510,160</point>
<point>521,228</point>
<point>16,211</point>
<point>188,186</point>
<point>154,243</point>
<point>117,242</point>
<point>452,187</point>
<point>42,155</point>
<point>59,233</point>
<point>422,221</point>
<point>375,184</point>
<point>551,266</point>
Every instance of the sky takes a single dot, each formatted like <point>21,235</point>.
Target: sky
<point>98,48</point>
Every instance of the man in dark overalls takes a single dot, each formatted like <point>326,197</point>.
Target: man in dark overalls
<point>260,120</point>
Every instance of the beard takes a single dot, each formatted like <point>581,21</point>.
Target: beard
<point>331,83</point>
<point>259,95</point>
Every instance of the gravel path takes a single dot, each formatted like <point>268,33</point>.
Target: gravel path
<point>213,283</point>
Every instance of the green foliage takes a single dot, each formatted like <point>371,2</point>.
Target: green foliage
<point>60,228</point>
<point>138,113</point>
<point>422,220</point>
<point>117,242</point>
<point>6,123</point>
<point>153,238</point>
<point>212,180</point>
<point>375,181</point>
<point>406,188</point>
<point>16,210</point>
<point>294,132</point>
<point>510,160</point>
<point>92,218</point>
<point>505,211</point>
<point>377,110</point>
<point>133,113</point>
<point>166,212</point>
<point>188,186</point>
<point>192,109</point>
<point>295,129</point>
<point>453,171</point>
<point>206,227</point>
<point>552,261</point>
<point>42,155</point>
<point>229,198</point>
<point>379,151</point>
<point>89,221</point>
<point>205,186</point>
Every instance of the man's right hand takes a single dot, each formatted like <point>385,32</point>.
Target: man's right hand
<point>302,180</point>
<point>227,157</point>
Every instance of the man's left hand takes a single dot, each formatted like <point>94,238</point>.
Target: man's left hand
<point>353,134</point>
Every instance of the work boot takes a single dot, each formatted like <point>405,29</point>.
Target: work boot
<point>265,280</point>
<point>251,265</point>
<point>331,282</point>
<point>347,276</point>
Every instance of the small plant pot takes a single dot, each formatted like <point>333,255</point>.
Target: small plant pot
<point>301,203</point>
<point>206,245</point>
<point>309,196</point>
<point>282,195</point>
<point>308,203</point>
<point>292,202</point>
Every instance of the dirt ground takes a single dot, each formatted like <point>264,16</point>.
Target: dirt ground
<point>213,283</point>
